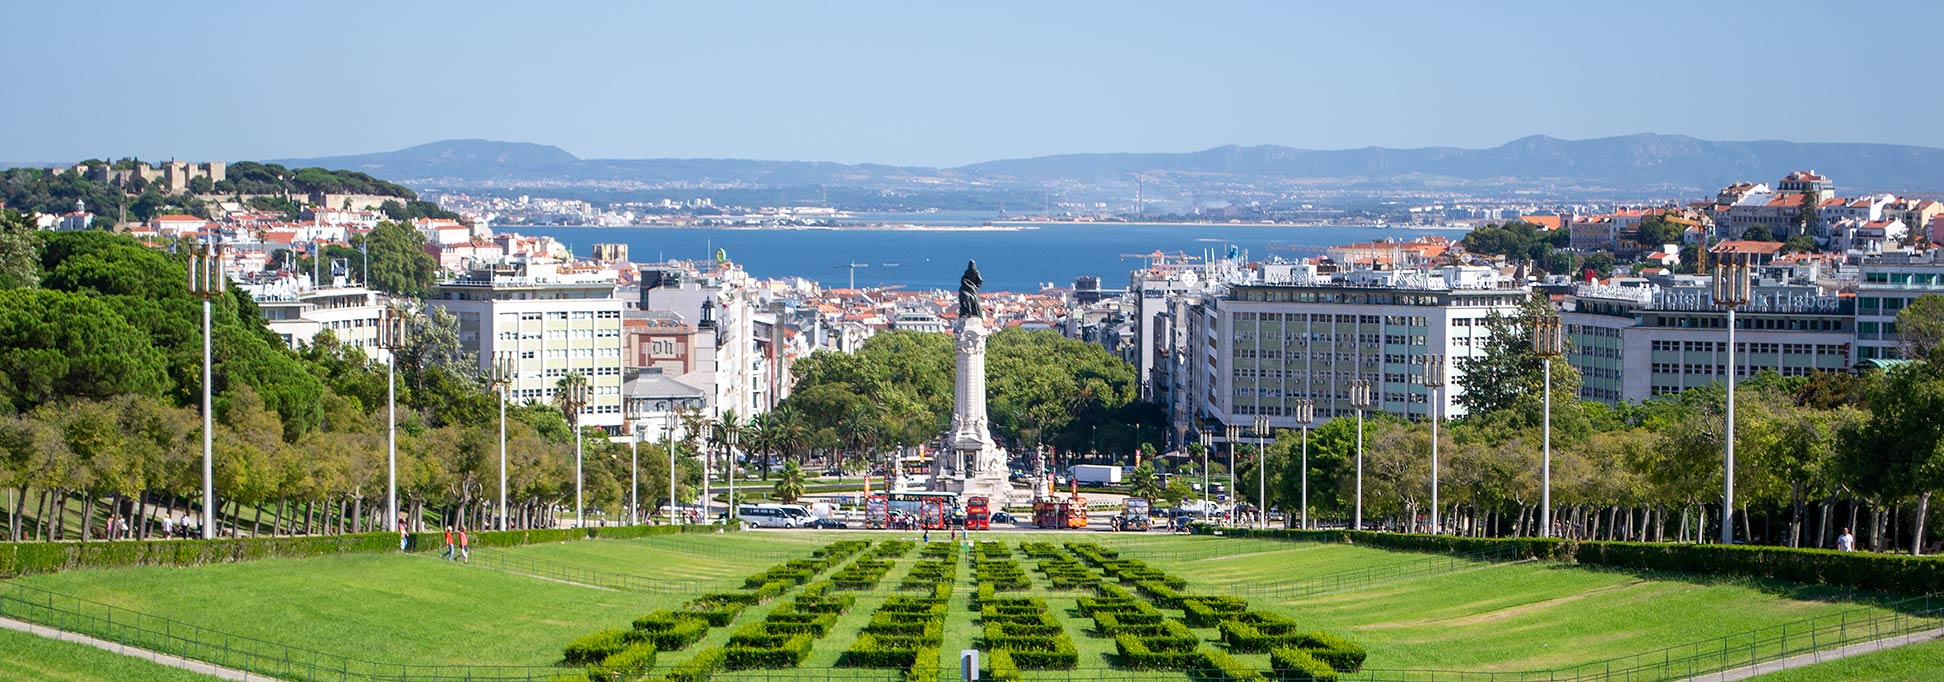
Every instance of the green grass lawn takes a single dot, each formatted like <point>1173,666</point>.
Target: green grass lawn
<point>1914,663</point>
<point>32,658</point>
<point>416,609</point>
<point>1480,617</point>
<point>1506,617</point>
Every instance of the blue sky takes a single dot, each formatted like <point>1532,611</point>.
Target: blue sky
<point>947,83</point>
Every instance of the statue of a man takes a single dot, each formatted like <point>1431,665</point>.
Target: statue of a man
<point>968,292</point>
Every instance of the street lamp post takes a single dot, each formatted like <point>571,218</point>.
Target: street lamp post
<point>504,372</point>
<point>1548,342</point>
<point>574,398</point>
<point>1434,379</point>
<point>1234,432</point>
<point>1359,401</point>
<point>1731,290</point>
<point>636,411</point>
<point>668,444</point>
<point>1207,441</point>
<point>1305,413</point>
<point>392,330</point>
<point>732,433</point>
<point>206,281</point>
<point>1262,469</point>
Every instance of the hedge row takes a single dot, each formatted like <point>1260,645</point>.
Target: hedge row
<point>905,632</point>
<point>1878,572</point>
<point>28,558</point>
<point>1296,664</point>
<point>939,565</point>
<point>1065,573</point>
<point>994,569</point>
<point>1029,632</point>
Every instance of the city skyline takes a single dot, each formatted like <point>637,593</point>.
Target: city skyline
<point>940,86</point>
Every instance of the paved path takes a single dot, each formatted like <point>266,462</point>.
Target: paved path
<point>125,650</point>
<point>1815,657</point>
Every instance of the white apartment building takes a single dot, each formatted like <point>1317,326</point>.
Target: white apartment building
<point>555,321</point>
<point>1260,346</point>
<point>295,309</point>
<point>1889,283</point>
<point>719,299</point>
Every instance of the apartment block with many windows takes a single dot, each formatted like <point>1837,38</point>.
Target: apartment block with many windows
<point>555,320</point>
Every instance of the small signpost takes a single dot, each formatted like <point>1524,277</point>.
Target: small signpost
<point>969,665</point>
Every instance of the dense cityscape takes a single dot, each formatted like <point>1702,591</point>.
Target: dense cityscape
<point>1385,342</point>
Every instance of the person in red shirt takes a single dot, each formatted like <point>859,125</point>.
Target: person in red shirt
<point>465,545</point>
<point>448,554</point>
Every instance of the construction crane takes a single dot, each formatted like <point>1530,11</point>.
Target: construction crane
<point>853,271</point>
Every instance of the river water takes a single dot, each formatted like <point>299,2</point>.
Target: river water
<point>933,257</point>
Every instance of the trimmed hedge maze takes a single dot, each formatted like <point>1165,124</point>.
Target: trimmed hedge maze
<point>782,639</point>
<point>904,633</point>
<point>1147,638</point>
<point>937,565</point>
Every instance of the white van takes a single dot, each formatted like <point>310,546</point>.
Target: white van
<point>769,516</point>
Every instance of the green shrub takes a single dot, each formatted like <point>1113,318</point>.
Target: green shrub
<point>783,652</point>
<point>1340,653</point>
<point>1000,667</point>
<point>879,651</point>
<point>1231,670</point>
<point>625,664</point>
<point>1258,632</point>
<point>669,630</point>
<point>1296,664</point>
<point>1136,652</point>
<point>1207,611</point>
<point>594,648</point>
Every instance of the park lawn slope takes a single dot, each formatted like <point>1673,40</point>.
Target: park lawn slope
<point>1914,663</point>
<point>398,608</point>
<point>698,557</point>
<point>32,658</point>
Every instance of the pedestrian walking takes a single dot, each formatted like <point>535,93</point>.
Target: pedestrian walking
<point>402,536</point>
<point>168,525</point>
<point>448,553</point>
<point>1846,542</point>
<point>465,547</point>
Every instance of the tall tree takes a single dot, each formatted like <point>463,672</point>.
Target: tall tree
<point>399,263</point>
<point>19,251</point>
<point>1920,327</point>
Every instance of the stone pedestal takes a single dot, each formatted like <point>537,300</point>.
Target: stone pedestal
<point>976,466</point>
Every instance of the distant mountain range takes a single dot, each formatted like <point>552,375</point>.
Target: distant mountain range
<point>1644,163</point>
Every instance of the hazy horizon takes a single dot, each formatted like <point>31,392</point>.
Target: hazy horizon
<point>944,85</point>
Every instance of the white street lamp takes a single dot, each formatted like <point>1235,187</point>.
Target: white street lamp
<point>637,411</point>
<point>1360,401</point>
<point>1305,413</point>
<point>1207,442</point>
<point>1234,432</point>
<point>505,371</point>
<point>207,280</point>
<point>731,435</point>
<point>1262,469</point>
<point>668,444</point>
<point>392,332</point>
<point>1548,342</point>
<point>1434,379</point>
<point>1731,290</point>
<point>574,398</point>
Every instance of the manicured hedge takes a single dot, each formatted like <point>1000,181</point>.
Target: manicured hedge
<point>1340,653</point>
<point>1296,664</point>
<point>1257,632</point>
<point>669,630</point>
<point>1207,611</point>
<point>28,558</point>
<point>1141,653</point>
<point>1880,572</point>
<point>626,664</point>
<point>594,648</point>
<point>1001,668</point>
<point>1216,663</point>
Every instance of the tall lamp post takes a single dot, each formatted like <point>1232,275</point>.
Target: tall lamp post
<point>1548,342</point>
<point>207,281</point>
<point>1207,439</point>
<point>574,395</point>
<point>732,432</point>
<point>1305,413</point>
<point>1731,290</point>
<point>637,411</point>
<point>1262,469</point>
<point>1434,379</point>
<point>668,444</point>
<point>392,330</point>
<point>504,372</point>
<point>1359,401</point>
<point>1234,434</point>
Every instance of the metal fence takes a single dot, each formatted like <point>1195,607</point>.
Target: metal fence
<point>581,575</point>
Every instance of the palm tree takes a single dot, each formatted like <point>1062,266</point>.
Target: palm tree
<point>764,430</point>
<point>789,483</point>
<point>719,431</point>
<point>1144,483</point>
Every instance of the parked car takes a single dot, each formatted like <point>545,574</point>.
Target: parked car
<point>1002,517</point>
<point>828,522</point>
<point>766,516</point>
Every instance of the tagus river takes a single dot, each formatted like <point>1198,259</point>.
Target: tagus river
<point>929,258</point>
